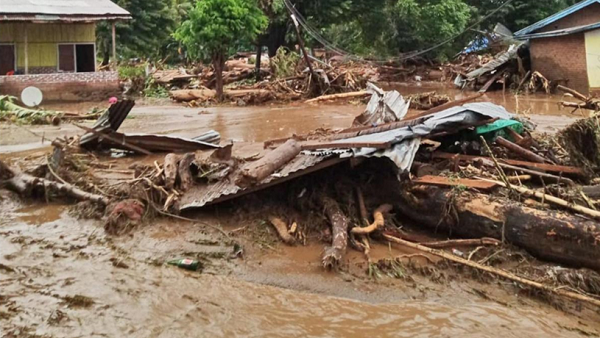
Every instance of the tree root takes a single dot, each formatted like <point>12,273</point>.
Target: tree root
<point>378,220</point>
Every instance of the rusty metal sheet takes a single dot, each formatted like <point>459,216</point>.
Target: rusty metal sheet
<point>91,8</point>
<point>162,143</point>
<point>202,195</point>
<point>108,122</point>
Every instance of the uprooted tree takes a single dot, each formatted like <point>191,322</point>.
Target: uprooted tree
<point>216,25</point>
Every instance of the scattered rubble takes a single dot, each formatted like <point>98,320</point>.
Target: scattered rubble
<point>471,171</point>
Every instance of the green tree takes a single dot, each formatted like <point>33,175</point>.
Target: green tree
<point>422,23</point>
<point>215,26</point>
<point>519,13</point>
<point>144,36</point>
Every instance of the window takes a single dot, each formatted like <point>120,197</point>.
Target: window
<point>77,58</point>
<point>7,59</point>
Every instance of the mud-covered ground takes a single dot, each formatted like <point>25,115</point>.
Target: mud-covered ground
<point>61,276</point>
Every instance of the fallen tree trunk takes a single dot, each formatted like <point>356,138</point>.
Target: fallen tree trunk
<point>263,168</point>
<point>25,184</point>
<point>549,235</point>
<point>186,95</point>
<point>333,254</point>
<point>339,96</point>
<point>492,270</point>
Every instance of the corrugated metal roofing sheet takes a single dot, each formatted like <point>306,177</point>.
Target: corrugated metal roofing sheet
<point>553,18</point>
<point>201,195</point>
<point>467,114</point>
<point>560,32</point>
<point>97,8</point>
<point>406,142</point>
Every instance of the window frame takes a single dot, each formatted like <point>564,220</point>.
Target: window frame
<point>74,44</point>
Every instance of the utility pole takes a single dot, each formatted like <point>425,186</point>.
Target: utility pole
<point>301,43</point>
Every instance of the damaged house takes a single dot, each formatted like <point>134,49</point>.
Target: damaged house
<point>52,45</point>
<point>565,47</point>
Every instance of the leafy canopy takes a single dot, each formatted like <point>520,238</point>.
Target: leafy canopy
<point>214,26</point>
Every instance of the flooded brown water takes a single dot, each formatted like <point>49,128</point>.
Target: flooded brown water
<point>258,124</point>
<point>49,258</point>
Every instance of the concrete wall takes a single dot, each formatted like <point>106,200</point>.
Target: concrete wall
<point>65,86</point>
<point>43,40</point>
<point>562,58</point>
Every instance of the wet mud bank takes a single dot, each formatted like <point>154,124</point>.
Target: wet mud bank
<point>63,277</point>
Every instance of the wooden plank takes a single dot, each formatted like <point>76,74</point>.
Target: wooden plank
<point>450,182</point>
<point>555,168</point>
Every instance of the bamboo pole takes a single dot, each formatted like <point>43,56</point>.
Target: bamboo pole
<point>492,270</point>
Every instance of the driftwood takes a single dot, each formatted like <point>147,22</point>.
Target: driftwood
<point>378,220</point>
<point>25,184</point>
<point>462,242</point>
<point>171,166</point>
<point>263,168</point>
<point>186,95</point>
<point>184,171</point>
<point>338,96</point>
<point>492,270</point>
<point>550,235</point>
<point>517,149</point>
<point>588,102</point>
<point>282,230</point>
<point>333,254</point>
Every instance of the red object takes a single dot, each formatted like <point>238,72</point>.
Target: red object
<point>11,73</point>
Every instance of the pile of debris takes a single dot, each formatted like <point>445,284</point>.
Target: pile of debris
<point>294,84</point>
<point>472,171</point>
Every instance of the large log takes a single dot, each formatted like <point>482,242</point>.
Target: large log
<point>25,184</point>
<point>550,235</point>
<point>261,169</point>
<point>333,254</point>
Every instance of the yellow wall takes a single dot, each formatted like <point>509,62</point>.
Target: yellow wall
<point>592,49</point>
<point>43,40</point>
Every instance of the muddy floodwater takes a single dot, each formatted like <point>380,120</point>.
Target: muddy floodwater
<point>61,276</point>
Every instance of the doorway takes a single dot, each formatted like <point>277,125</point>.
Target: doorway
<point>85,58</point>
<point>7,59</point>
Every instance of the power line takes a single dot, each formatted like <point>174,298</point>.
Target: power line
<point>409,55</point>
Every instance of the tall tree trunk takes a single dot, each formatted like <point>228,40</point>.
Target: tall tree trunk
<point>105,55</point>
<point>218,64</point>
<point>258,57</point>
<point>276,37</point>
